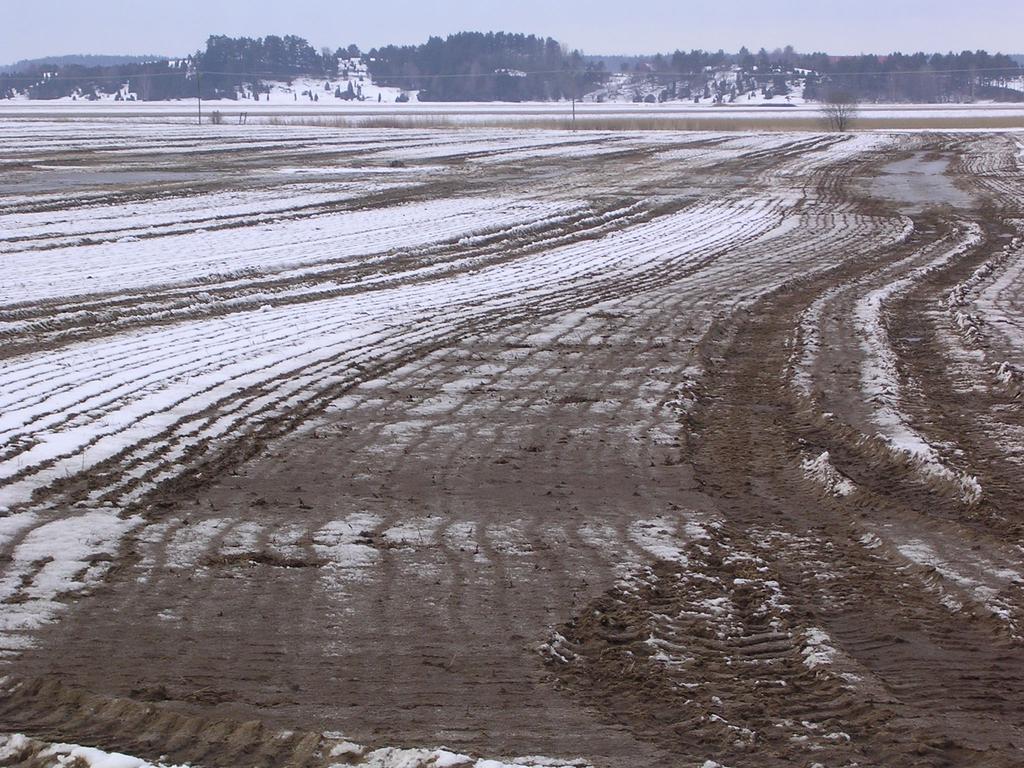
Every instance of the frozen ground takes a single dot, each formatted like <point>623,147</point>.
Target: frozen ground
<point>778,115</point>
<point>621,448</point>
<point>14,107</point>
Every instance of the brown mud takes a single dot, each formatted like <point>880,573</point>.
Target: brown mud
<point>585,529</point>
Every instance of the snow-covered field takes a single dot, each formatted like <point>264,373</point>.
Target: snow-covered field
<point>414,404</point>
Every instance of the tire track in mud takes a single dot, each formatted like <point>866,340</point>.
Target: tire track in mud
<point>909,672</point>
<point>949,393</point>
<point>967,418</point>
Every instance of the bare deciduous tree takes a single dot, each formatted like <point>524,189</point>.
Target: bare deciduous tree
<point>841,109</point>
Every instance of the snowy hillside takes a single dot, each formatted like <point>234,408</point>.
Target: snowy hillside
<point>723,87</point>
<point>352,84</point>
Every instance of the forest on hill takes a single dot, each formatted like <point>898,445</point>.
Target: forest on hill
<point>473,66</point>
<point>896,77</point>
<point>79,59</point>
<point>499,66</point>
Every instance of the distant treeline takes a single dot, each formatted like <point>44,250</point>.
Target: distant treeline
<point>897,77</point>
<point>226,65</point>
<point>473,66</point>
<point>82,60</point>
<point>155,81</point>
<point>917,77</point>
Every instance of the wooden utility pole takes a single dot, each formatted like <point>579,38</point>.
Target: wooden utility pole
<point>199,97</point>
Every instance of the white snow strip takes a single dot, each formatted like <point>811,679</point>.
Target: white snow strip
<point>984,592</point>
<point>17,747</point>
<point>14,746</point>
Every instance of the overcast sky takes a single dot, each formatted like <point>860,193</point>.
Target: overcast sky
<point>52,27</point>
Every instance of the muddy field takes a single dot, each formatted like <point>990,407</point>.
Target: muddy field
<point>453,447</point>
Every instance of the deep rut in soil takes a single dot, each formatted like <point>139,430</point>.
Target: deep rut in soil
<point>725,648</point>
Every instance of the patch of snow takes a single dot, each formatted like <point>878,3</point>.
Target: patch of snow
<point>817,650</point>
<point>822,471</point>
<point>55,561</point>
<point>57,755</point>
<point>870,541</point>
<point>14,746</point>
<point>347,546</point>
<point>659,538</point>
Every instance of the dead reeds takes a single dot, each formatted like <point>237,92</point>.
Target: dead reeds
<point>628,123</point>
